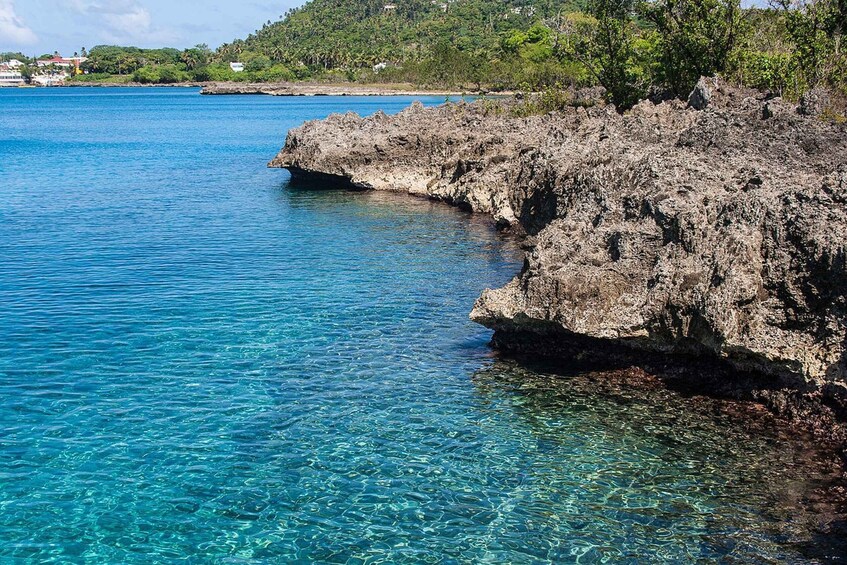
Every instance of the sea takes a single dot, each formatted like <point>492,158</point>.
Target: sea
<point>204,361</point>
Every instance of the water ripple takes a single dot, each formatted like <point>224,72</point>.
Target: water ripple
<point>201,363</point>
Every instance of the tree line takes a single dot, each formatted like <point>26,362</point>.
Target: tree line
<point>633,48</point>
<point>637,47</point>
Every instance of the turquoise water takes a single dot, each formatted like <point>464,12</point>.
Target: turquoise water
<point>202,363</point>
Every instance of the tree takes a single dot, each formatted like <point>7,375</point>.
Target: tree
<point>27,72</point>
<point>196,57</point>
<point>695,38</point>
<point>9,55</point>
<point>606,45</point>
<point>190,59</point>
<point>817,28</point>
<point>259,63</point>
<point>146,75</point>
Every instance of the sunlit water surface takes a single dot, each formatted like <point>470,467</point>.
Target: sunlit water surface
<point>199,361</point>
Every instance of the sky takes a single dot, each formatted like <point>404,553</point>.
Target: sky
<point>35,27</point>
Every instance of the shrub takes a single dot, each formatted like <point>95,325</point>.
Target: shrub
<point>201,74</point>
<point>146,75</point>
<point>817,28</point>
<point>554,99</point>
<point>607,45</point>
<point>776,72</point>
<point>694,38</point>
<point>170,74</point>
<point>260,63</point>
<point>220,73</point>
<point>277,73</point>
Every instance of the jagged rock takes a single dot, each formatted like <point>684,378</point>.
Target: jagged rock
<point>776,107</point>
<point>718,234</point>
<point>589,96</point>
<point>701,95</point>
<point>814,102</point>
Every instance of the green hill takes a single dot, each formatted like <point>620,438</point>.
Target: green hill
<point>436,41</point>
<point>631,48</point>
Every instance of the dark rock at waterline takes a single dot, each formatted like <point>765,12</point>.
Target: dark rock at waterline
<point>719,234</point>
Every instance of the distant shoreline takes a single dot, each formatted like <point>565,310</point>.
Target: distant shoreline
<point>317,89</point>
<point>129,85</point>
<point>289,89</point>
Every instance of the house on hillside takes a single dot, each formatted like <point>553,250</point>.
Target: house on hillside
<point>442,5</point>
<point>55,60</point>
<point>54,71</point>
<point>237,67</point>
<point>61,62</point>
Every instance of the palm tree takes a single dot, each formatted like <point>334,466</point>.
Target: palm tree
<point>189,57</point>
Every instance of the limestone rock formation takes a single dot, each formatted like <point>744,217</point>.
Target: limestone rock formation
<point>720,233</point>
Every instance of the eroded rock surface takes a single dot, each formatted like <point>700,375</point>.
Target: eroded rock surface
<point>720,233</point>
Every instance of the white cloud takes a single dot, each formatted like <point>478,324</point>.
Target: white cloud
<point>12,29</point>
<point>125,19</point>
<point>133,22</point>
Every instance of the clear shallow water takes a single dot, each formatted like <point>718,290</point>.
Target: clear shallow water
<point>201,362</point>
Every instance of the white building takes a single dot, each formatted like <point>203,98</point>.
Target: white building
<point>11,77</point>
<point>237,67</point>
<point>49,79</point>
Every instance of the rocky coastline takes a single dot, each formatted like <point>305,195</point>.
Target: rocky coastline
<point>706,242</point>
<point>128,85</point>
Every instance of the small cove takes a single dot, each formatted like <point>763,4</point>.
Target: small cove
<point>199,359</point>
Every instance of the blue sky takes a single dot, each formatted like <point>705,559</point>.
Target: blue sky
<point>42,26</point>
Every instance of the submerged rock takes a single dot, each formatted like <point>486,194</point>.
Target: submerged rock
<point>717,234</point>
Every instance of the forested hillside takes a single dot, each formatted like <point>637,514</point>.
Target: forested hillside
<point>632,48</point>
<point>439,41</point>
<point>333,33</point>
